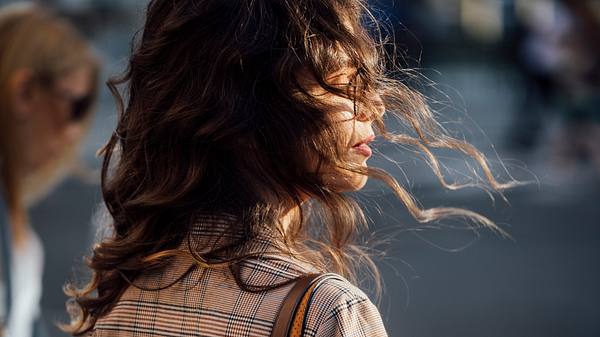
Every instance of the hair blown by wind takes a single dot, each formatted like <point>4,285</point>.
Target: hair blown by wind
<point>221,123</point>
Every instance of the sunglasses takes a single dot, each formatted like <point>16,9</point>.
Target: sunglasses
<point>79,107</point>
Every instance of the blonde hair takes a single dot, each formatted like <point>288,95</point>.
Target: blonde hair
<point>34,38</point>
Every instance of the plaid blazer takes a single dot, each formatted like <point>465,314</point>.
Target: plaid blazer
<point>185,300</point>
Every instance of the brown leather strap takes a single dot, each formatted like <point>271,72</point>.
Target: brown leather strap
<point>297,327</point>
<point>286,313</point>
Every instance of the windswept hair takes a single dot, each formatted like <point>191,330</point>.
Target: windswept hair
<point>216,120</point>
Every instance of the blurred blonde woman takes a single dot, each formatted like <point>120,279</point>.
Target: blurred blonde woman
<point>47,87</point>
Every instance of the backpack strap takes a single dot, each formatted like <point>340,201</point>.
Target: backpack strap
<point>292,314</point>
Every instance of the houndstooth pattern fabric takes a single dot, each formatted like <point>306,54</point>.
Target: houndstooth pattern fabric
<point>198,301</point>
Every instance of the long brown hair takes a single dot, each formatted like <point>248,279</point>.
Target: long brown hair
<point>216,120</point>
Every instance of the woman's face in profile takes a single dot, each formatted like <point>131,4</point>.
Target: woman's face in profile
<point>354,128</point>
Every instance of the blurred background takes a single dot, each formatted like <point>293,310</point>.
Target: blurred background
<point>518,78</point>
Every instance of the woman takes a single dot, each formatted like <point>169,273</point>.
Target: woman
<point>246,121</point>
<point>47,86</point>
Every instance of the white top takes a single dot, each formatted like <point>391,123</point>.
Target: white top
<point>26,281</point>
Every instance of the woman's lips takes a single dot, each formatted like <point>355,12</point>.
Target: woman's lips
<point>363,146</point>
<point>363,149</point>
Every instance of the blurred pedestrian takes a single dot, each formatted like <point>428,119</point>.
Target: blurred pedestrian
<point>537,39</point>
<point>578,141</point>
<point>244,125</point>
<point>562,71</point>
<point>47,88</point>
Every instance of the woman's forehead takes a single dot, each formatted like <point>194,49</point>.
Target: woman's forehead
<point>342,76</point>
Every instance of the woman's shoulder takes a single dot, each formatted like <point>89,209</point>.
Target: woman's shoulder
<point>335,289</point>
<point>339,308</point>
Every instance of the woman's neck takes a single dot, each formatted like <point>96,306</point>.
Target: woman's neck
<point>286,220</point>
<point>291,214</point>
<point>19,224</point>
<point>10,187</point>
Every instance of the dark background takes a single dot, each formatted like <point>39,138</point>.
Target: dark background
<point>514,104</point>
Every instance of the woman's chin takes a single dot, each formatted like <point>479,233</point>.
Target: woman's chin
<point>351,183</point>
<point>346,180</point>
<point>359,182</point>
